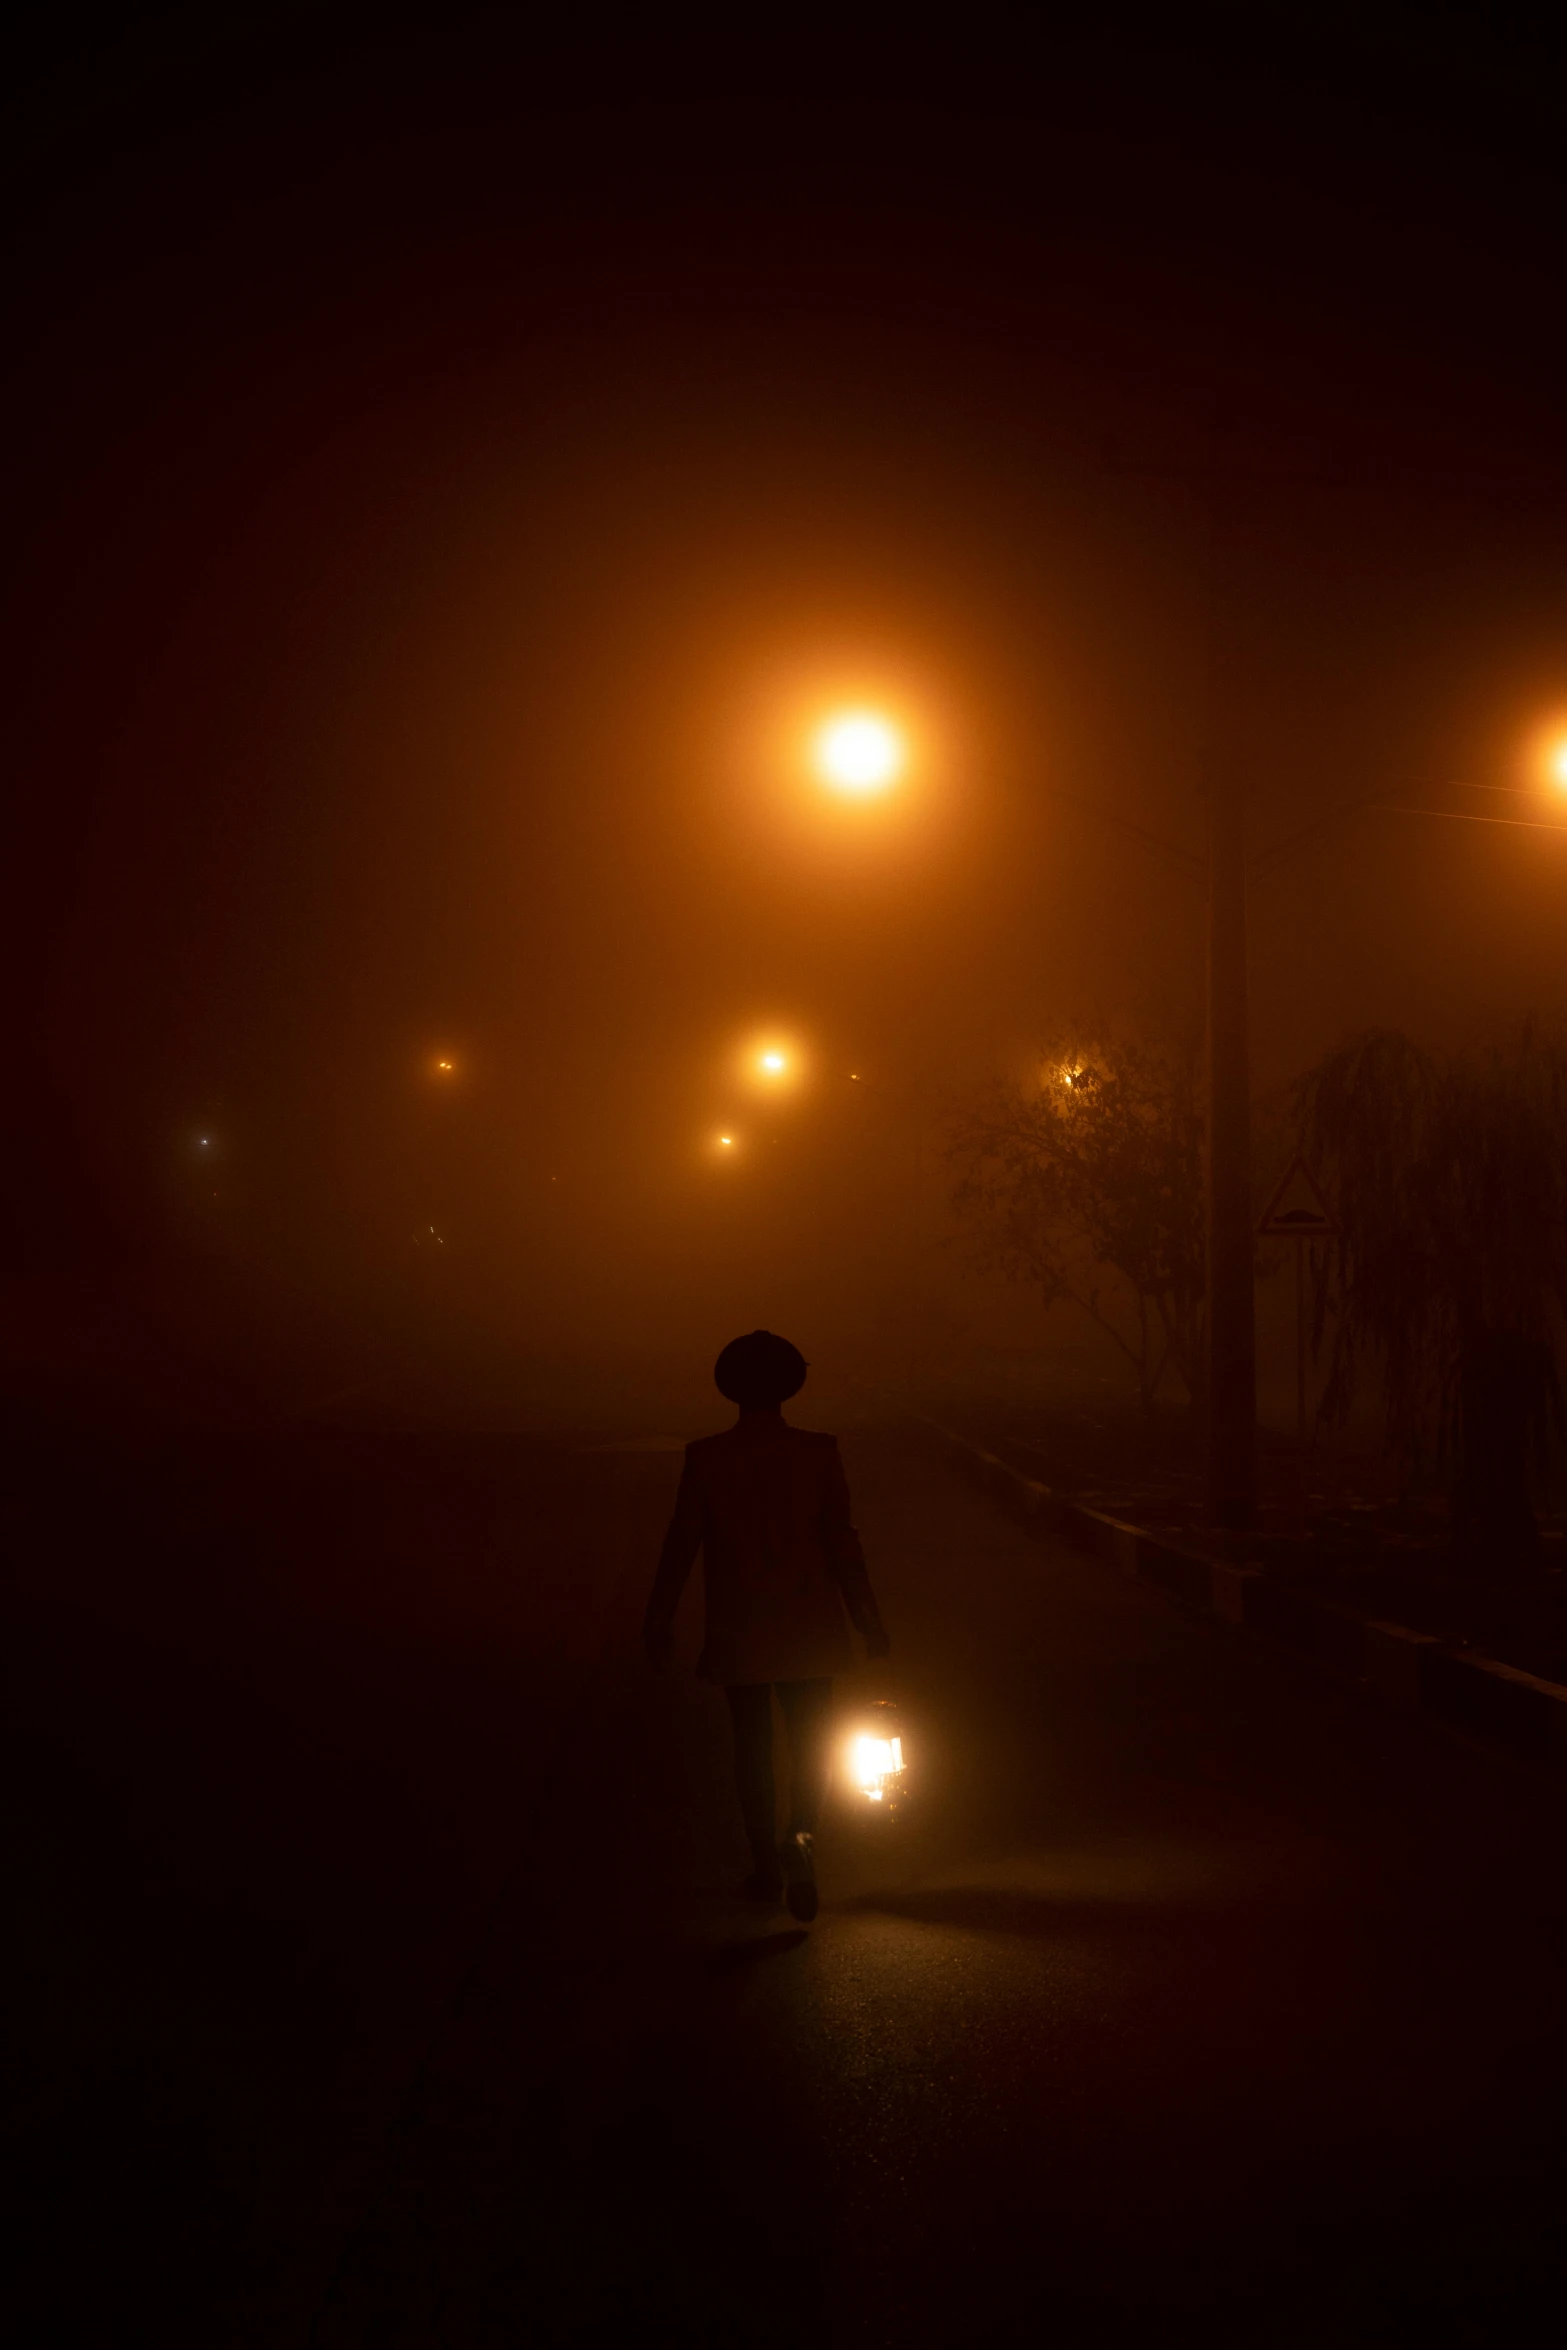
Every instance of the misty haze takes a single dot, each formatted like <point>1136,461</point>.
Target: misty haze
<point>787,1177</point>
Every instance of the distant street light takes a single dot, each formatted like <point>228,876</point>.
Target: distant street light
<point>859,753</point>
<point>775,1061</point>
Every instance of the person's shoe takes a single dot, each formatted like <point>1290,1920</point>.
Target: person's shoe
<point>798,1854</point>
<point>767,1890</point>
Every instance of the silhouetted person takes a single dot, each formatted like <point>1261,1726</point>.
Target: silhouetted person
<point>768,1506</point>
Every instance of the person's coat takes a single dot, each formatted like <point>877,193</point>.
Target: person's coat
<point>768,1506</point>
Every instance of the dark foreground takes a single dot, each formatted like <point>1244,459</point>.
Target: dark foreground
<point>380,1984</point>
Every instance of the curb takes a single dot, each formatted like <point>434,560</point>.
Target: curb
<point>1513,1712</point>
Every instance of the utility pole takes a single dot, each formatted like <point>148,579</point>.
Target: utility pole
<point>1231,1483</point>
<point>1231,1468</point>
<point>1231,1498</point>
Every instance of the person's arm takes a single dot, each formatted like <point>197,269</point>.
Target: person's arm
<point>846,1559</point>
<point>681,1544</point>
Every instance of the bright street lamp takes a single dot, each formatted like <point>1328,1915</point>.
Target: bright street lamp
<point>775,1061</point>
<point>859,753</point>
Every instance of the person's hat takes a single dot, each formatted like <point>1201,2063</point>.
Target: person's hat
<point>759,1369</point>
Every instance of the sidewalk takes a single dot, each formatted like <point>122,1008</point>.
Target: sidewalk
<point>1512,1711</point>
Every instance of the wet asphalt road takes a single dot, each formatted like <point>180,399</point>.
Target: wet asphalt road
<point>1191,1993</point>
<point>1191,1997</point>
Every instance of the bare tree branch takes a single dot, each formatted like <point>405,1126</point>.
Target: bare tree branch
<point>1096,1170</point>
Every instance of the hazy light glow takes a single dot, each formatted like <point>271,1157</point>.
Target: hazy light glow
<point>859,753</point>
<point>872,1762</point>
<point>1544,754</point>
<point>774,1060</point>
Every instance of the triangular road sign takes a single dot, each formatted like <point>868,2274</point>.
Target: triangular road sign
<point>1297,1208</point>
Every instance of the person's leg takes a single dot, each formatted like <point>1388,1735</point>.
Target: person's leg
<point>751,1713</point>
<point>807,1713</point>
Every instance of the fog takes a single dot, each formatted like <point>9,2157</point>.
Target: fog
<point>446,496</point>
<point>459,469</point>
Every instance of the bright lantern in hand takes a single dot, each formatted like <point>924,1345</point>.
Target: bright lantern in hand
<point>873,1762</point>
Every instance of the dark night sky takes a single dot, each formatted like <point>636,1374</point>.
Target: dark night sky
<point>442,466</point>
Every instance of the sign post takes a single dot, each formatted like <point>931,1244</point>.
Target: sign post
<point>1298,1212</point>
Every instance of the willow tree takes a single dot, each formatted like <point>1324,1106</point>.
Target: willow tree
<point>1085,1182</point>
<point>1448,1274</point>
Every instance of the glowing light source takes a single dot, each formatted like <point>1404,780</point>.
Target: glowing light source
<point>726,1142</point>
<point>873,1761</point>
<point>773,1059</point>
<point>1544,761</point>
<point>873,1758</point>
<point>858,752</point>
